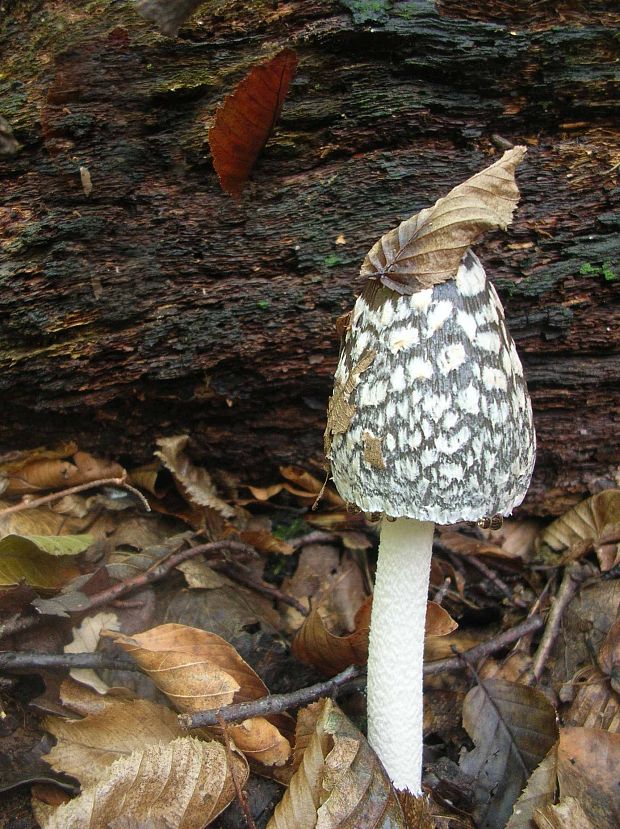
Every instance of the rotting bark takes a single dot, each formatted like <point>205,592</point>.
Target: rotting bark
<point>159,305</point>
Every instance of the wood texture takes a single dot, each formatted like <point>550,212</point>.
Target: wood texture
<point>158,305</point>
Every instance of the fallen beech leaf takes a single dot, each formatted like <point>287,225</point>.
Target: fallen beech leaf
<point>302,478</point>
<point>167,15</point>
<point>539,792</point>
<point>517,538</point>
<point>53,473</point>
<point>567,814</point>
<point>588,763</point>
<point>86,748</point>
<point>12,462</point>
<point>38,560</point>
<point>85,640</point>
<point>595,705</point>
<point>513,727</point>
<point>588,521</point>
<point>328,653</point>
<point>198,670</point>
<point>194,483</point>
<point>465,545</point>
<point>438,621</point>
<point>339,782</point>
<point>427,248</point>
<point>185,783</point>
<point>244,122</point>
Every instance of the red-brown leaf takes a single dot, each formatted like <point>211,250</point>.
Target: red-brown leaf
<point>244,122</point>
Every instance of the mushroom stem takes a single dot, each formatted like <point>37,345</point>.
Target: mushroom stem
<point>396,649</point>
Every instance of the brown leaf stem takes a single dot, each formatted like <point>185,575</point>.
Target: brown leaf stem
<point>571,582</point>
<point>72,490</point>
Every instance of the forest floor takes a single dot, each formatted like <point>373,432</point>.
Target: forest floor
<point>132,599</point>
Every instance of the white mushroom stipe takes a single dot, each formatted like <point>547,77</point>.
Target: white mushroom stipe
<point>396,649</point>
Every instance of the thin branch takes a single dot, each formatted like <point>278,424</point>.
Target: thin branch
<point>571,582</point>
<point>24,660</point>
<point>160,569</point>
<point>314,537</point>
<point>273,704</point>
<point>234,572</point>
<point>55,496</point>
<point>497,581</point>
<point>241,794</point>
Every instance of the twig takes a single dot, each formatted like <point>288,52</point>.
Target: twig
<point>234,572</point>
<point>160,569</point>
<point>55,496</point>
<point>273,704</point>
<point>314,537</point>
<point>497,643</point>
<point>440,595</point>
<point>241,795</point>
<point>571,583</point>
<point>24,660</point>
<point>497,581</point>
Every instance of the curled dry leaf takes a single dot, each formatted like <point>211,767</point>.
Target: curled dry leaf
<point>194,483</point>
<point>167,15</point>
<point>42,473</point>
<point>85,640</point>
<point>198,670</point>
<point>427,248</point>
<point>315,645</point>
<point>245,120</point>
<point>513,727</point>
<point>86,748</point>
<point>588,763</point>
<point>339,782</point>
<point>309,483</point>
<point>185,783</point>
<point>595,519</point>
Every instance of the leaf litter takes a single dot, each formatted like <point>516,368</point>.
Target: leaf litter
<point>504,749</point>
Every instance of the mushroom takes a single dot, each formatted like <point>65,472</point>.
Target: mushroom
<point>430,422</point>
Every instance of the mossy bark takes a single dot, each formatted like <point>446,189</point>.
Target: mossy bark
<point>157,304</point>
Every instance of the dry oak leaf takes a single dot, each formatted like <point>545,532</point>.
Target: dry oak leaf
<point>427,248</point>
<point>339,782</point>
<point>244,122</point>
<point>589,770</point>
<point>594,520</point>
<point>198,670</point>
<point>193,482</point>
<point>183,784</point>
<point>513,727</point>
<point>85,748</point>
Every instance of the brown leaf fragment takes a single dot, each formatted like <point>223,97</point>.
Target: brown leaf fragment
<point>567,814</point>
<point>427,248</point>
<point>198,670</point>
<point>594,520</point>
<point>185,783</point>
<point>86,748</point>
<point>339,783</point>
<point>609,656</point>
<point>513,727</point>
<point>167,15</point>
<point>538,793</point>
<point>340,410</point>
<point>265,542</point>
<point>193,482</point>
<point>588,764</point>
<point>29,475</point>
<point>372,450</point>
<point>328,653</point>
<point>438,621</point>
<point>245,120</point>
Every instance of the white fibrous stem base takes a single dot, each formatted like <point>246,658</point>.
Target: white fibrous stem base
<point>396,649</point>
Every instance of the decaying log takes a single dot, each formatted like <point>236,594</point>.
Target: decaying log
<point>156,304</point>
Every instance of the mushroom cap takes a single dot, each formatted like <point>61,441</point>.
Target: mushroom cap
<point>431,417</point>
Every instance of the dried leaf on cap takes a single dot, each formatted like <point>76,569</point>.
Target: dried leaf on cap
<point>427,248</point>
